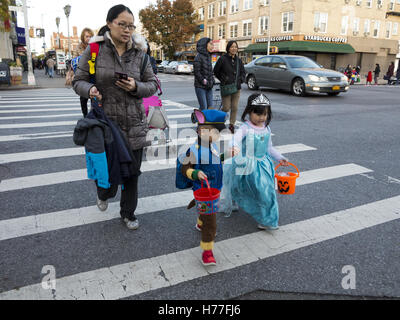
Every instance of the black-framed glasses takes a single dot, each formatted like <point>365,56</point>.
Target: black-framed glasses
<point>124,26</point>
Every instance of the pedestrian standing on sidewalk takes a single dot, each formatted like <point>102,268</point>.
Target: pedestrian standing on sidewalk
<point>377,71</point>
<point>398,75</point>
<point>120,50</point>
<point>86,35</point>
<point>369,78</point>
<point>390,72</point>
<point>203,74</point>
<point>229,70</point>
<point>50,64</point>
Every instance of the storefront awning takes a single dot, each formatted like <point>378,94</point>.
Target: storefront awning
<point>302,46</point>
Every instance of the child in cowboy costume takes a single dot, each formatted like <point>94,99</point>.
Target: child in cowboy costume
<point>203,161</point>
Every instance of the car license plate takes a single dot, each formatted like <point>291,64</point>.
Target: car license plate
<point>335,88</point>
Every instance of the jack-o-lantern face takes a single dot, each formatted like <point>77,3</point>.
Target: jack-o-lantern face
<point>283,186</point>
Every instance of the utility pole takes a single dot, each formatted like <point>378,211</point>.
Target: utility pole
<point>31,76</point>
<point>269,27</point>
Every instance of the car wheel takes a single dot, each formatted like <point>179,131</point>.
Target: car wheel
<point>298,87</point>
<point>252,83</point>
<point>332,94</point>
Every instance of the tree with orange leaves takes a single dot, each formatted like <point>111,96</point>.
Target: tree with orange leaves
<point>169,25</point>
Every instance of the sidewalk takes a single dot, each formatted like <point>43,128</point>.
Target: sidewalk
<point>42,81</point>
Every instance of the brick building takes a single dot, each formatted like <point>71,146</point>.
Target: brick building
<point>334,33</point>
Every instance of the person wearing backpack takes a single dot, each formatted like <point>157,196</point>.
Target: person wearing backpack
<point>109,70</point>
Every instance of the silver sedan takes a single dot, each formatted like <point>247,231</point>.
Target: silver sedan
<point>297,74</point>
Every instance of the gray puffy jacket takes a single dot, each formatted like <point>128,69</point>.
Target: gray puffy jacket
<point>124,108</point>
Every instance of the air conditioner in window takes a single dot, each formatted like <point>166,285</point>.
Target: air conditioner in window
<point>355,33</point>
<point>358,2</point>
<point>263,3</point>
<point>316,29</point>
<point>366,34</point>
<point>346,1</point>
<point>380,6</point>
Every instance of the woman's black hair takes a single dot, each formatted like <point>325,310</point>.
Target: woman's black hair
<point>258,109</point>
<point>229,45</point>
<point>113,14</point>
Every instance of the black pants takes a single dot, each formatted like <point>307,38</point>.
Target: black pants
<point>84,107</point>
<point>129,194</point>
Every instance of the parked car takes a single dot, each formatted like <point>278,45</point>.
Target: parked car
<point>162,65</point>
<point>179,67</point>
<point>297,74</point>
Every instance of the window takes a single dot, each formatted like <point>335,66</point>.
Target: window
<point>221,31</point>
<point>234,6</point>
<point>247,4</point>
<point>369,3</point>
<point>210,32</point>
<point>263,26</point>
<point>395,28</point>
<point>233,27</point>
<point>320,22</point>
<point>222,8</point>
<point>277,62</point>
<point>388,30</point>
<point>367,26</point>
<point>247,26</point>
<point>377,26</point>
<point>356,25</point>
<point>211,13</point>
<point>345,25</point>
<point>264,61</point>
<point>391,5</point>
<point>201,14</point>
<point>287,21</point>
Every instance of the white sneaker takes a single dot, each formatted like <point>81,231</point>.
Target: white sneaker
<point>261,227</point>
<point>102,205</point>
<point>132,225</point>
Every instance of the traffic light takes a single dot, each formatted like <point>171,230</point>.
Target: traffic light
<point>274,50</point>
<point>31,32</point>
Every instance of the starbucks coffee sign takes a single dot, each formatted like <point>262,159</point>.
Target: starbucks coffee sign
<point>275,39</point>
<point>326,39</point>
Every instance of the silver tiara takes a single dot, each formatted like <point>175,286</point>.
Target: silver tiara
<point>261,100</point>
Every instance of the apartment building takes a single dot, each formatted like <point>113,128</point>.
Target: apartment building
<point>334,33</point>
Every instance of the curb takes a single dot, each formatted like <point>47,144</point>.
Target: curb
<point>15,88</point>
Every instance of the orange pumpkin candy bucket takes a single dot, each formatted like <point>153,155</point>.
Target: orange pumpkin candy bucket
<point>286,182</point>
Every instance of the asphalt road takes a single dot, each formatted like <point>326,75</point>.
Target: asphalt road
<point>352,167</point>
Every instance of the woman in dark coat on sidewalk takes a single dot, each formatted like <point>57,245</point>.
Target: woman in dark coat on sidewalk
<point>203,74</point>
<point>225,71</point>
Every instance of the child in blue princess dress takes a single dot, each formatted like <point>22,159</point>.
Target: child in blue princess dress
<point>249,178</point>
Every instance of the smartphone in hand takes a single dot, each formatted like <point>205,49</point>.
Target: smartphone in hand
<point>121,76</point>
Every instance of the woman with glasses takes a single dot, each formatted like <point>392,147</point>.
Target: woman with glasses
<point>120,52</point>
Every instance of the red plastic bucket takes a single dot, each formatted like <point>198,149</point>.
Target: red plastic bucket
<point>207,199</point>
<point>287,182</point>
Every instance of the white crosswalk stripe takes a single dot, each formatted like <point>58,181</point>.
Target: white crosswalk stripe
<point>116,280</point>
<point>125,280</point>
